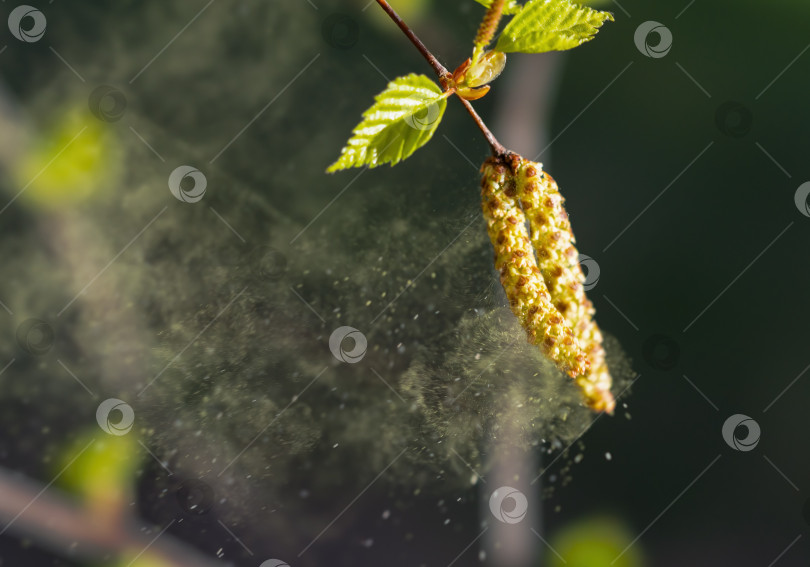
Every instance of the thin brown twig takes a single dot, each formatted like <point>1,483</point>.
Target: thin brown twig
<point>444,76</point>
<point>497,147</point>
<point>440,69</point>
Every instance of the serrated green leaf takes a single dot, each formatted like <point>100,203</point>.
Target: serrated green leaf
<point>402,119</point>
<point>512,6</point>
<point>550,25</point>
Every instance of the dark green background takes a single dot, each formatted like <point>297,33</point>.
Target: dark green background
<point>697,240</point>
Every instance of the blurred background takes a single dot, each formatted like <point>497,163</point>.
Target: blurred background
<point>216,354</point>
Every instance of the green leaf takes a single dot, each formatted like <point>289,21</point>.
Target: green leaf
<point>550,25</point>
<point>512,6</point>
<point>402,119</point>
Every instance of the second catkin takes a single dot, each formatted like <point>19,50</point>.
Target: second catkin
<point>540,272</point>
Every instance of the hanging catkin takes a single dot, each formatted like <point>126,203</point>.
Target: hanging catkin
<point>519,190</point>
<point>525,288</point>
<point>558,260</point>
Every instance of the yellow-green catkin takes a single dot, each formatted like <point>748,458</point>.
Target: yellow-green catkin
<point>558,260</point>
<point>541,274</point>
<point>521,277</point>
<point>489,25</point>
